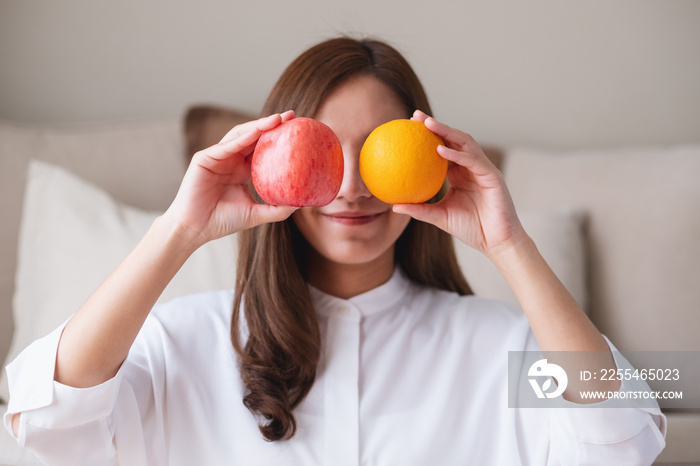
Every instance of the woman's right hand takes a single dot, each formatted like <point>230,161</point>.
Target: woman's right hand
<point>214,199</point>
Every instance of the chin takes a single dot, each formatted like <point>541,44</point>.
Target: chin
<point>356,256</point>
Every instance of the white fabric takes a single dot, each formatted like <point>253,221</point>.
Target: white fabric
<point>12,454</point>
<point>408,375</point>
<point>73,236</point>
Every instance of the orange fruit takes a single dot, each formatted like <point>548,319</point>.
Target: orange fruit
<point>399,162</point>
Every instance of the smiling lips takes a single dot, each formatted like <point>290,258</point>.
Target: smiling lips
<point>353,218</point>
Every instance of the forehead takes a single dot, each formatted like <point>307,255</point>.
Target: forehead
<point>360,104</point>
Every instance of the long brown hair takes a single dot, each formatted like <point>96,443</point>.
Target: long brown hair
<point>274,328</point>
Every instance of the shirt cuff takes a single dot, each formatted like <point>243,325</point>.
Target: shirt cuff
<point>606,425</point>
<point>614,419</point>
<point>46,403</point>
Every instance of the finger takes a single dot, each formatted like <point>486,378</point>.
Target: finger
<point>261,124</point>
<point>474,163</point>
<point>264,213</point>
<point>429,213</point>
<point>419,116</point>
<point>242,137</point>
<point>225,149</point>
<point>288,115</point>
<point>453,137</point>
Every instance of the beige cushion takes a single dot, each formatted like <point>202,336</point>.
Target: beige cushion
<point>682,446</point>
<point>73,235</point>
<point>643,208</point>
<point>140,163</point>
<point>560,238</point>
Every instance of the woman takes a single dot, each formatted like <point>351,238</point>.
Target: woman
<point>353,336</point>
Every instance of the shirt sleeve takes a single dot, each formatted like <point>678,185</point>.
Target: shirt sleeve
<point>621,431</point>
<point>56,418</point>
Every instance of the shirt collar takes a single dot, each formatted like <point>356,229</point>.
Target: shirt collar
<point>375,300</point>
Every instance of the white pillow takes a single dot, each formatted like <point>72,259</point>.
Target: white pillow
<point>72,236</point>
<point>560,238</point>
<point>139,162</point>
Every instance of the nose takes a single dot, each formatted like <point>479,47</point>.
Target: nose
<point>353,188</point>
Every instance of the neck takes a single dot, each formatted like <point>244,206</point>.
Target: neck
<point>347,280</point>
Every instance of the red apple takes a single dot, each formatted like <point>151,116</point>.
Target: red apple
<point>298,163</point>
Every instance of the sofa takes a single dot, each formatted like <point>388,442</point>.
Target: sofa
<point>619,226</point>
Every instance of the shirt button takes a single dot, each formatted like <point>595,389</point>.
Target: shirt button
<point>344,308</point>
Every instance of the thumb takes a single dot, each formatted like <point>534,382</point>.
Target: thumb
<point>265,213</point>
<point>429,213</point>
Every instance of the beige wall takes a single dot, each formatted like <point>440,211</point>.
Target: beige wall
<point>537,72</point>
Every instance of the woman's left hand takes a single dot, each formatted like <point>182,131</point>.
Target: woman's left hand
<point>478,208</point>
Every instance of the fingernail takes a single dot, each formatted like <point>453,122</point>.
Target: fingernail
<point>443,151</point>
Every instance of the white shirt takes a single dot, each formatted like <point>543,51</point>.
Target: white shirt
<point>408,375</point>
